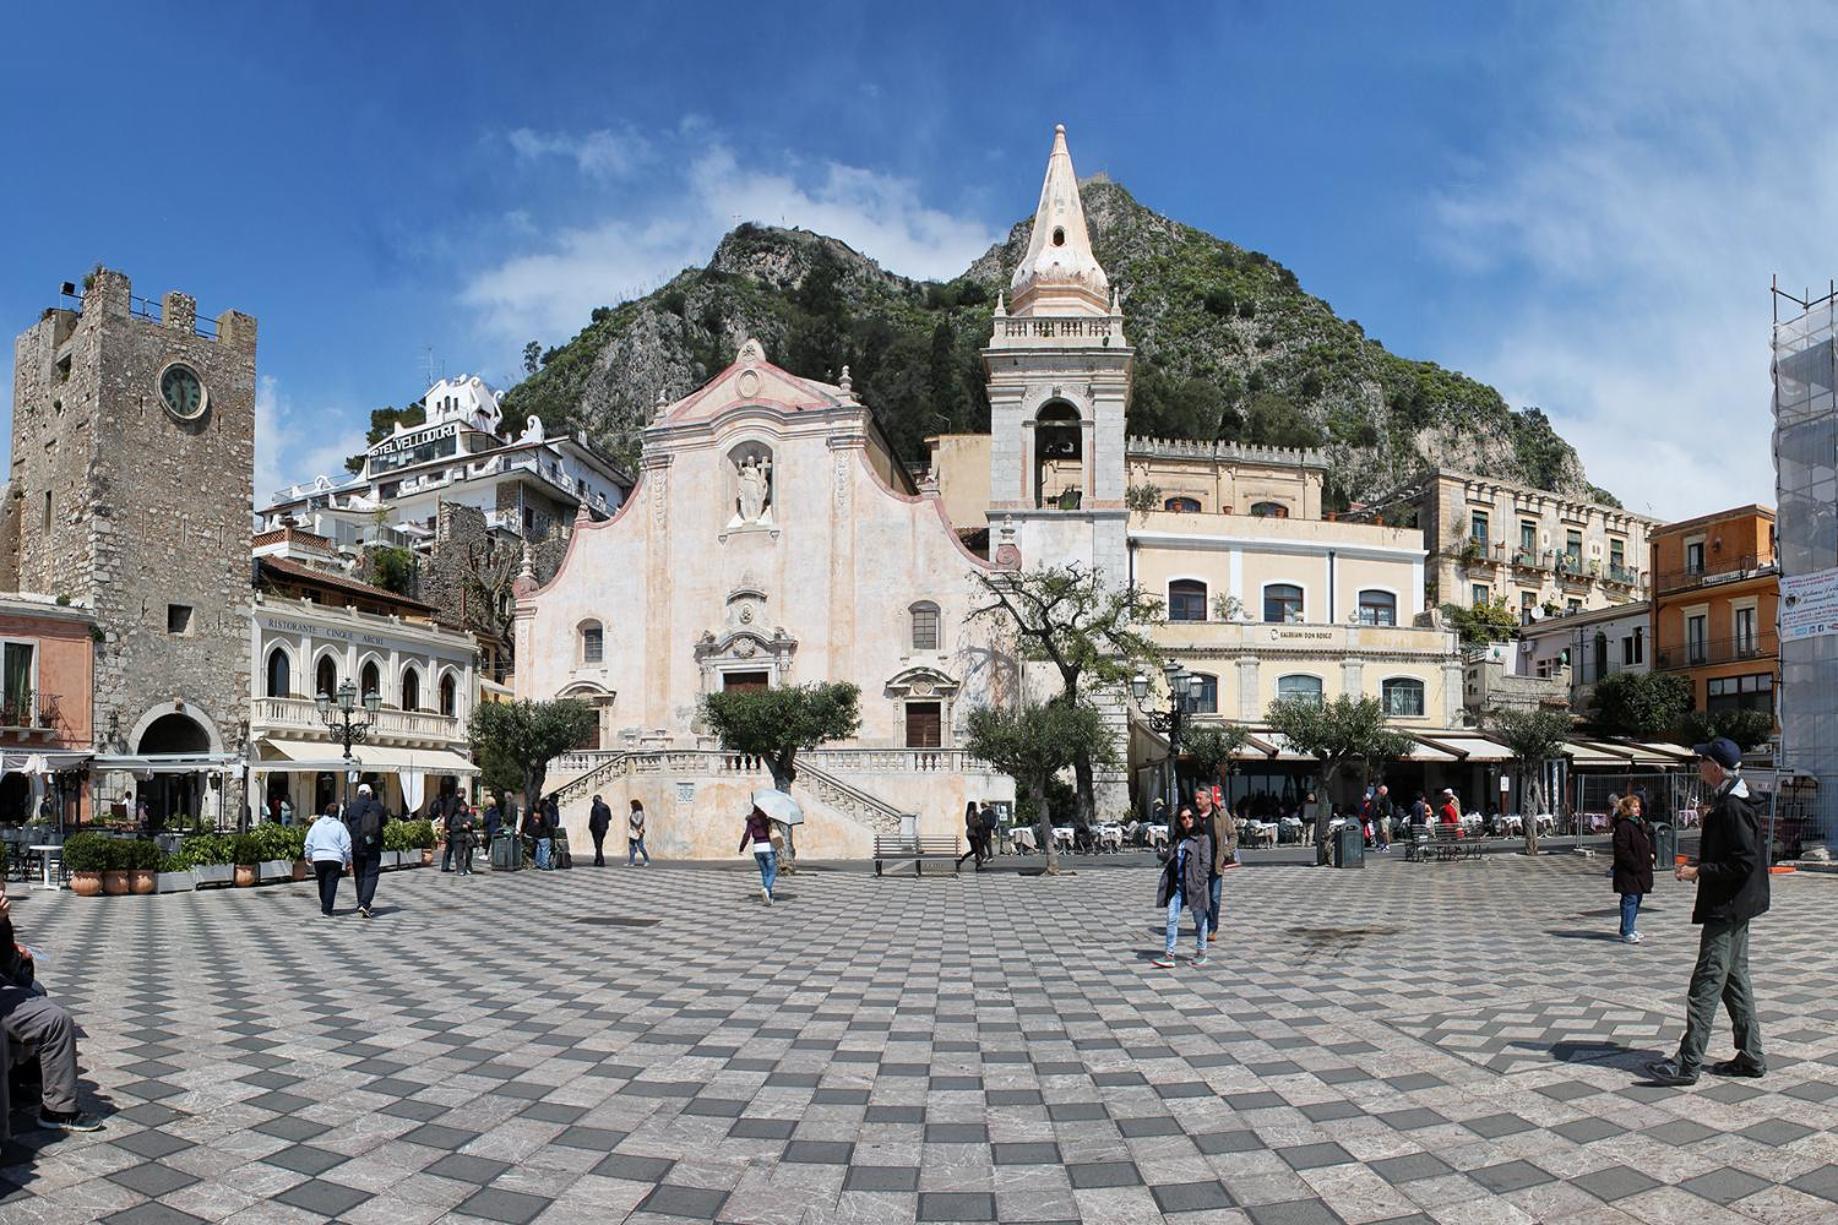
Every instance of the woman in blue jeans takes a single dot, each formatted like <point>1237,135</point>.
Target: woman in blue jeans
<point>1633,862</point>
<point>1185,881</point>
<point>757,837</point>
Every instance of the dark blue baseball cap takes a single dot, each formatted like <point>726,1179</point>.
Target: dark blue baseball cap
<point>1722,750</point>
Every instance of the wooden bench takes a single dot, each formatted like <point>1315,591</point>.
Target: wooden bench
<point>916,851</point>
<point>1440,844</point>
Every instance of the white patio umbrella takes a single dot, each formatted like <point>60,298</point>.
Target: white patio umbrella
<point>778,806</point>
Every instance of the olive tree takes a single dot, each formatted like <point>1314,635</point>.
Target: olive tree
<point>515,741</point>
<point>1089,629</point>
<point>1534,736</point>
<point>1033,743</point>
<point>775,723</point>
<point>1340,734</point>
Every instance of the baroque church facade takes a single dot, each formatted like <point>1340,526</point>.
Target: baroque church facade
<point>773,538</point>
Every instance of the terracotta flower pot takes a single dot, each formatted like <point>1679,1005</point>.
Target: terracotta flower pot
<point>115,882</point>
<point>245,876</point>
<point>302,869</point>
<point>86,884</point>
<point>143,880</point>
<point>427,856</point>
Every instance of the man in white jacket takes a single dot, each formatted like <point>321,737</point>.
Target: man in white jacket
<point>328,846</point>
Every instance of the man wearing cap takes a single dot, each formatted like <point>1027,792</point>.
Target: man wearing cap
<point>364,818</point>
<point>1732,879</point>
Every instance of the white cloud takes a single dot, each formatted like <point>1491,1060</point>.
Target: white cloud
<point>294,445</point>
<point>603,153</point>
<point>1677,164</point>
<point>548,290</point>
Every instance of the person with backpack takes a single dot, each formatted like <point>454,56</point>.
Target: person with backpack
<point>1185,881</point>
<point>1731,874</point>
<point>1633,862</point>
<point>635,837</point>
<point>364,820</point>
<point>599,820</point>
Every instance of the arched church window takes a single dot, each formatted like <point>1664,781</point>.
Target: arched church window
<point>925,626</point>
<point>593,642</point>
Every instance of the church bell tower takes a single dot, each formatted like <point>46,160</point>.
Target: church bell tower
<point>1058,370</point>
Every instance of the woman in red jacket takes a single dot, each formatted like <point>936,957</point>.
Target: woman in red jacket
<point>1449,812</point>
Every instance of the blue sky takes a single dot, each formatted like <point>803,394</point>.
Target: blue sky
<point>1582,205</point>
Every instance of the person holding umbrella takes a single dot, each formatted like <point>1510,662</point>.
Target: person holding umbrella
<point>769,806</point>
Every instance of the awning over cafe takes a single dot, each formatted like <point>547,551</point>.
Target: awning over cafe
<point>1468,748</point>
<point>303,755</point>
<point>166,763</point>
<point>43,761</point>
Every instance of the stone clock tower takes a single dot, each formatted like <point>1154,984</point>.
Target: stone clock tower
<point>132,463</point>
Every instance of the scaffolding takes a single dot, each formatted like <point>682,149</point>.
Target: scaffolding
<point>1806,528</point>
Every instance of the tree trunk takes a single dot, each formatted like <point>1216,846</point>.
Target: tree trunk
<point>1324,804</point>
<point>1086,811</point>
<point>1530,798</point>
<point>1043,821</point>
<point>784,771</point>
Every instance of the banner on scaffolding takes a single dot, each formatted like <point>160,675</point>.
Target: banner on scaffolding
<point>1809,604</point>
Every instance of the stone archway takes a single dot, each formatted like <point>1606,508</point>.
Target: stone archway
<point>213,740</point>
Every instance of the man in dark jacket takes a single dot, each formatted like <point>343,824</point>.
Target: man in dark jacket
<point>441,812</point>
<point>1217,824</point>
<point>364,818</point>
<point>599,820</point>
<point>1732,879</point>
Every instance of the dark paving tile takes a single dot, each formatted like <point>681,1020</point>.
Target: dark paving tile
<point>956,1206</point>
<point>695,1203</point>
<point>152,1144</point>
<point>1025,1153</point>
<point>1314,1156</point>
<point>306,1159</point>
<point>436,1135</point>
<point>594,1139</point>
<point>1510,1176</point>
<point>1725,1186</point>
<point>1191,1197</point>
<point>464,1167</point>
<point>1096,1174</point>
<point>818,1152</point>
<point>1587,1130</point>
<point>1294,1212</point>
<point>1213,1143</point>
<point>497,1204</point>
<point>1409,1168</point>
<point>633,1168</point>
<point>763,1129</point>
<point>1614,1182</point>
<point>326,1198</point>
<point>152,1179</point>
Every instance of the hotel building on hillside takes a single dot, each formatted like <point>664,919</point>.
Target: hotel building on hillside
<point>1538,551</point>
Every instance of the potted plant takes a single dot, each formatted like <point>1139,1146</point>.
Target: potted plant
<point>174,875</point>
<point>142,859</point>
<point>87,856</point>
<point>245,854</point>
<point>280,847</point>
<point>424,838</point>
<point>115,882</point>
<point>208,858</point>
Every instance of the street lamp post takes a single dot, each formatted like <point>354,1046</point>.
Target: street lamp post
<point>1183,697</point>
<point>340,714</point>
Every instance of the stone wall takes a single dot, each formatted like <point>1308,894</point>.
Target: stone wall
<point>460,532</point>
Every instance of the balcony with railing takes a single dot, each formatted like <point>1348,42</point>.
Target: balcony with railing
<point>26,714</point>
<point>1716,571</point>
<point>1012,330</point>
<point>1708,652</point>
<point>1522,558</point>
<point>1620,576</point>
<point>293,716</point>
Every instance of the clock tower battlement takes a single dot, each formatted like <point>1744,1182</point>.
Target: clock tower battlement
<point>133,451</point>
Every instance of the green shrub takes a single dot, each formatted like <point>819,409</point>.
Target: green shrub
<point>199,850</point>
<point>408,835</point>
<point>139,855</point>
<point>90,853</point>
<point>280,841</point>
<point>246,849</point>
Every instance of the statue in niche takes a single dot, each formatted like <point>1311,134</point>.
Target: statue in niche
<point>754,478</point>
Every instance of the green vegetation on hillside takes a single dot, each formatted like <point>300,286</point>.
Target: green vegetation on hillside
<point>1228,347</point>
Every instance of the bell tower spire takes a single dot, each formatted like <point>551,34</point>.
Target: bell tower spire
<point>1059,275</point>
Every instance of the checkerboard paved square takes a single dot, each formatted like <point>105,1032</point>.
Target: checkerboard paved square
<point>1408,1042</point>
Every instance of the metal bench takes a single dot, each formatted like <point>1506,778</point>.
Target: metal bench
<point>1439,844</point>
<point>896,851</point>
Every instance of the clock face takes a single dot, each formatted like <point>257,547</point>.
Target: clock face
<point>182,391</point>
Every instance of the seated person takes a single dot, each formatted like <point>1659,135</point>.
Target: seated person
<point>34,1022</point>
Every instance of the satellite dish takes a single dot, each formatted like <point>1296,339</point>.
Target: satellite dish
<point>1537,614</point>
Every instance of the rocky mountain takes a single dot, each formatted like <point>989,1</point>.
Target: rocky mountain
<point>1228,346</point>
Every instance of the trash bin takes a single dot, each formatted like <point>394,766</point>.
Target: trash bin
<point>1665,848</point>
<point>506,852</point>
<point>1349,846</point>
